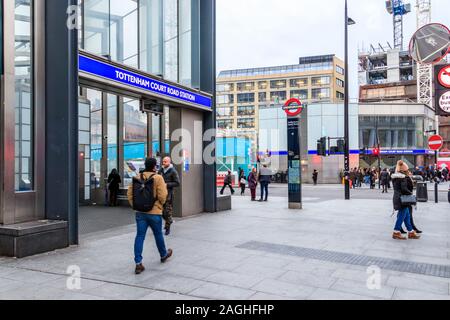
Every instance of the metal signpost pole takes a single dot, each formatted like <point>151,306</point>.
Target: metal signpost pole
<point>346,115</point>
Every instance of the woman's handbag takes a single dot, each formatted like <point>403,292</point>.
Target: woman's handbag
<point>408,200</point>
<point>243,181</point>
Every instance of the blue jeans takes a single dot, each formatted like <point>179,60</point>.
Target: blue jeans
<point>264,189</point>
<point>403,216</point>
<point>143,221</point>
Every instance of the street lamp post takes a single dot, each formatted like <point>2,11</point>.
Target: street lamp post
<point>348,21</point>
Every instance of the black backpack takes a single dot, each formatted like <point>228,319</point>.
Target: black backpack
<point>143,196</point>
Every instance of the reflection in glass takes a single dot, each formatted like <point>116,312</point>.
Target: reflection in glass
<point>24,108</point>
<point>134,139</point>
<point>95,99</point>
<point>112,132</point>
<point>150,29</point>
<point>96,27</point>
<point>170,39</point>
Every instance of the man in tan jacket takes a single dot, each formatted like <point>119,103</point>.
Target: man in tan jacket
<point>152,219</point>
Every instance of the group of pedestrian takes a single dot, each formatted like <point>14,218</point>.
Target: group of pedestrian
<point>432,174</point>
<point>151,196</point>
<point>367,176</point>
<point>263,179</point>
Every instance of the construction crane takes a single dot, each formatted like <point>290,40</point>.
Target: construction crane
<point>424,71</point>
<point>398,9</point>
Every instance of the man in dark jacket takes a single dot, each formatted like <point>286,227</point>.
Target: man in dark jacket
<point>384,180</point>
<point>172,180</point>
<point>228,182</point>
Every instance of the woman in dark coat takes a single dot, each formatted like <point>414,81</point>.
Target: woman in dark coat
<point>253,183</point>
<point>384,180</point>
<point>242,182</point>
<point>114,182</point>
<point>403,185</point>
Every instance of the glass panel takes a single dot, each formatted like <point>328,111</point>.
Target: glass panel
<point>134,139</point>
<point>112,133</point>
<point>151,30</point>
<point>156,135</point>
<point>171,40</point>
<point>246,86</point>
<point>95,99</point>
<point>96,26</point>
<point>124,31</point>
<point>24,108</point>
<point>186,42</point>
<point>278,84</point>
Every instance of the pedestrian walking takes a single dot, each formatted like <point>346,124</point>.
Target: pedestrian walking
<point>114,182</point>
<point>265,176</point>
<point>147,195</point>
<point>242,182</point>
<point>384,180</point>
<point>403,186</point>
<point>172,180</point>
<point>228,182</point>
<point>253,183</point>
<point>315,176</point>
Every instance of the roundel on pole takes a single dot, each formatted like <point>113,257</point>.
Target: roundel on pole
<point>444,77</point>
<point>293,107</point>
<point>435,142</point>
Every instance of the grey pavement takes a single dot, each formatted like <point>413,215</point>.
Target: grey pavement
<point>213,259</point>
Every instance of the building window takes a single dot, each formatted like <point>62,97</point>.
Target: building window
<point>321,94</point>
<point>170,18</point>
<point>96,102</point>
<point>226,112</point>
<point>134,139</point>
<point>321,81</point>
<point>246,86</point>
<point>299,94</point>
<point>245,123</point>
<point>299,83</point>
<point>262,97</point>
<point>225,124</point>
<point>225,99</point>
<point>278,84</point>
<point>340,83</point>
<point>112,132</point>
<point>246,98</point>
<point>150,31</point>
<point>278,96</point>
<point>24,106</point>
<point>340,95</point>
<point>225,87</point>
<point>340,70</point>
<point>262,85</point>
<point>246,111</point>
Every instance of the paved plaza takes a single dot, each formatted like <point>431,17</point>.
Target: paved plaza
<point>332,249</point>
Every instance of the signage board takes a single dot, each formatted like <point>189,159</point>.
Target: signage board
<point>293,107</point>
<point>294,164</point>
<point>153,87</point>
<point>442,90</point>
<point>435,142</point>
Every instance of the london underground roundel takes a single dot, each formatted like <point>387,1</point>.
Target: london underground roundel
<point>293,107</point>
<point>444,77</point>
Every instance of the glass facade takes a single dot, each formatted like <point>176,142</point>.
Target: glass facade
<point>156,36</point>
<point>393,132</point>
<point>24,106</point>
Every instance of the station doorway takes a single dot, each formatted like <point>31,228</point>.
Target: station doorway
<point>114,134</point>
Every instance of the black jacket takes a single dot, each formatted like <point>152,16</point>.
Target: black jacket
<point>403,185</point>
<point>171,178</point>
<point>114,182</point>
<point>384,178</point>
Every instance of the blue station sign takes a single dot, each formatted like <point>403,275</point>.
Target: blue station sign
<point>152,86</point>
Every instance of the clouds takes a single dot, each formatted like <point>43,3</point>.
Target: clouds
<point>257,33</point>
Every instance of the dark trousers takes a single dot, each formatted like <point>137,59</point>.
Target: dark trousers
<point>242,189</point>
<point>385,188</point>
<point>113,197</point>
<point>168,213</point>
<point>253,193</point>
<point>264,190</point>
<point>227,185</point>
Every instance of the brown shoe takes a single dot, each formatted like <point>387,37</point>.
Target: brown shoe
<point>169,254</point>
<point>413,235</point>
<point>139,269</point>
<point>398,236</point>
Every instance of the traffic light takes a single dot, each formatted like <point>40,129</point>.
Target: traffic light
<point>376,151</point>
<point>322,147</point>
<point>341,146</point>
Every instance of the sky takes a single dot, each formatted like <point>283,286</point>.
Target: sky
<point>262,33</point>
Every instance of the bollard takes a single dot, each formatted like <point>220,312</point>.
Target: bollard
<point>436,192</point>
<point>449,194</point>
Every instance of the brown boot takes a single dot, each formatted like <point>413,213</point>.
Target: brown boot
<point>413,235</point>
<point>139,269</point>
<point>398,236</point>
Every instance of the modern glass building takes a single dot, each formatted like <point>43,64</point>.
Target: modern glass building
<point>92,85</point>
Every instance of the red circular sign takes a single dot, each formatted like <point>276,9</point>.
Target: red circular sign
<point>435,142</point>
<point>293,107</point>
<point>444,76</point>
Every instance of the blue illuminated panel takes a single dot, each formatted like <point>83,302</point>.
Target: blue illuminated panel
<point>110,72</point>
